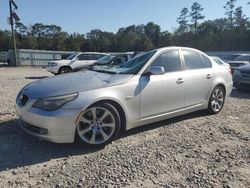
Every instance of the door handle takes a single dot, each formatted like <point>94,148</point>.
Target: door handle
<point>180,81</point>
<point>209,76</point>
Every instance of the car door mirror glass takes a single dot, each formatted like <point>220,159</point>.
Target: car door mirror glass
<point>156,70</point>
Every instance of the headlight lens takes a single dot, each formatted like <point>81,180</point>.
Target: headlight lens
<point>53,64</point>
<point>54,103</point>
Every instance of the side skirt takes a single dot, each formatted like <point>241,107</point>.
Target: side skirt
<point>165,116</point>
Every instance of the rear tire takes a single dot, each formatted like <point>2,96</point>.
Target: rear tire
<point>64,70</point>
<point>217,100</point>
<point>98,126</point>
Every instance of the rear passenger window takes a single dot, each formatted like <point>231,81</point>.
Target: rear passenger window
<point>192,59</point>
<point>170,60</point>
<point>206,61</point>
<point>98,56</point>
<point>92,57</point>
<point>83,57</point>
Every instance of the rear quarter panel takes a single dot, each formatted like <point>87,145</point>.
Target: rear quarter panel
<point>222,76</point>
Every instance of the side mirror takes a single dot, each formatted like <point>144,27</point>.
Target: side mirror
<point>156,70</point>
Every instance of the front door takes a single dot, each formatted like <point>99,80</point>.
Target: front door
<point>163,93</point>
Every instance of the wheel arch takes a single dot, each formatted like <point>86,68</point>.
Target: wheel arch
<point>219,82</point>
<point>65,66</point>
<point>118,107</point>
<point>223,86</point>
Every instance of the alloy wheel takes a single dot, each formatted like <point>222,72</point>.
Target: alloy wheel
<point>217,99</point>
<point>96,125</point>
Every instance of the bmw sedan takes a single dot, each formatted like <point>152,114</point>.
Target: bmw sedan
<point>92,107</point>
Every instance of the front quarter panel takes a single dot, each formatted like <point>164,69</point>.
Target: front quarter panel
<point>126,95</point>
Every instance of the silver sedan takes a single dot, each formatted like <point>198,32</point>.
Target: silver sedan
<point>92,107</point>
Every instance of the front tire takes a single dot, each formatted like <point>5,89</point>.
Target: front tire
<point>98,125</point>
<point>217,100</point>
<point>64,70</point>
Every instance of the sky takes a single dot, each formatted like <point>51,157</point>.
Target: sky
<point>81,16</point>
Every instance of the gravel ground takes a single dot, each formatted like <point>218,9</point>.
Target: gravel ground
<point>194,150</point>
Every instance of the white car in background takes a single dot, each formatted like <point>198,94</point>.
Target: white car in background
<point>74,62</point>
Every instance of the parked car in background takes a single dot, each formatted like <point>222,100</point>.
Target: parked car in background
<point>241,78</point>
<point>114,59</point>
<point>154,86</point>
<point>239,61</point>
<point>219,61</point>
<point>229,57</point>
<point>74,62</point>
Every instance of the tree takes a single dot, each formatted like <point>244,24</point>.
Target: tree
<point>240,20</point>
<point>21,28</point>
<point>183,21</point>
<point>152,31</point>
<point>229,7</point>
<point>165,39</point>
<point>5,40</point>
<point>196,15</point>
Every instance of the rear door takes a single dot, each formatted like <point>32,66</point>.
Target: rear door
<point>198,77</point>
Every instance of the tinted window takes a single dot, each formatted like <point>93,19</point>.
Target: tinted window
<point>92,57</point>
<point>83,57</point>
<point>98,56</point>
<point>206,61</point>
<point>170,60</point>
<point>192,59</point>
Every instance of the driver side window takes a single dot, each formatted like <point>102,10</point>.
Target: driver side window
<point>170,60</point>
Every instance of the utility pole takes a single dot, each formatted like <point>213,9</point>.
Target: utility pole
<point>13,14</point>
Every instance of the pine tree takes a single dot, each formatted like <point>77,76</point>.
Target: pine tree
<point>196,15</point>
<point>229,7</point>
<point>183,21</point>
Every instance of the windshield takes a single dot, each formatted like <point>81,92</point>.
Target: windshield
<point>132,66</point>
<point>105,60</point>
<point>71,56</point>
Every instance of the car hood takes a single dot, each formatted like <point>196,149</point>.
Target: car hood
<point>73,82</point>
<point>244,68</point>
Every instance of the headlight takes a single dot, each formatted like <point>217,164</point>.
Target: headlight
<point>19,94</point>
<point>53,64</point>
<point>54,103</point>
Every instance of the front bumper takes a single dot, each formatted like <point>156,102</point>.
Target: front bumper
<point>53,69</point>
<point>55,126</point>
